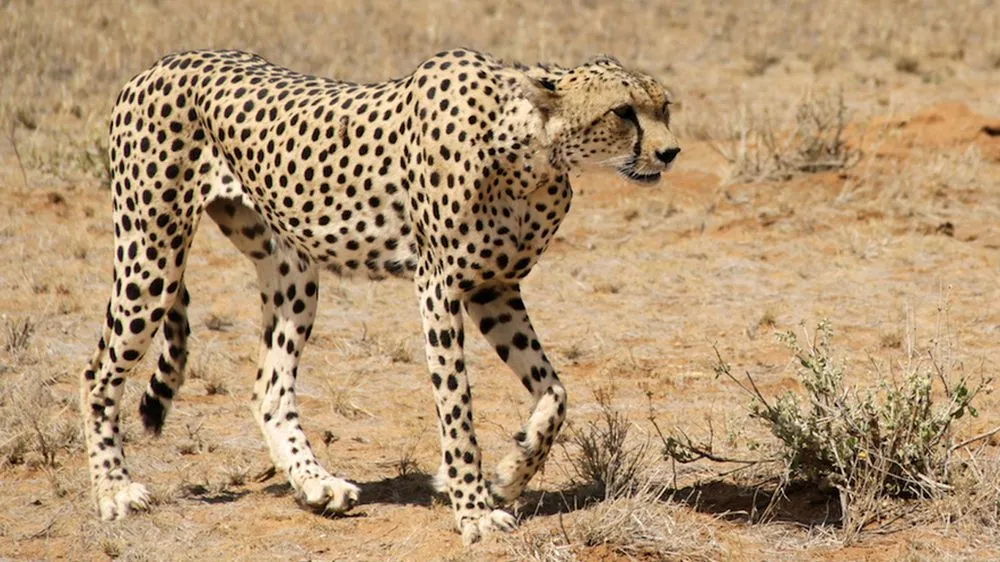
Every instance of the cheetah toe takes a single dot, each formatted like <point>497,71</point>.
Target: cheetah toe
<point>474,529</point>
<point>329,495</point>
<point>118,502</point>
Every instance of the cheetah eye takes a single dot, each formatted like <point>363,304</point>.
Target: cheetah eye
<point>626,112</point>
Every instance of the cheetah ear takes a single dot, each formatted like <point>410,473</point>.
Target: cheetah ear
<point>547,84</point>
<point>606,60</point>
<point>540,92</point>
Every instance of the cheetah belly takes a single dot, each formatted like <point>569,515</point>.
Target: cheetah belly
<point>365,235</point>
<point>368,243</point>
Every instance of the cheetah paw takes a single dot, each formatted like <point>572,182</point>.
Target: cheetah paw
<point>329,495</point>
<point>473,529</point>
<point>121,500</point>
<point>509,480</point>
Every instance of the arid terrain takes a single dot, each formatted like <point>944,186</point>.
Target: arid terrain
<point>895,241</point>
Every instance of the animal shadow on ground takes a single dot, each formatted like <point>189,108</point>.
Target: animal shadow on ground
<point>408,489</point>
<point>800,504</point>
<point>199,493</point>
<point>413,488</point>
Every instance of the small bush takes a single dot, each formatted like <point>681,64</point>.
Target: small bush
<point>607,458</point>
<point>891,440</point>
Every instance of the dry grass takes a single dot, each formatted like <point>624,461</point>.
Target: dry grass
<point>761,151</point>
<point>539,547</point>
<point>645,523</point>
<point>37,427</point>
<point>60,103</point>
<point>606,456</point>
<point>16,335</point>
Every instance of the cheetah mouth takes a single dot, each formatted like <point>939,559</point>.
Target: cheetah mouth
<point>643,178</point>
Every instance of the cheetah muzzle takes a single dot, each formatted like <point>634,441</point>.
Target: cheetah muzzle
<point>455,176</point>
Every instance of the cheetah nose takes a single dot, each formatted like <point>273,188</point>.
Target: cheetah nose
<point>667,156</point>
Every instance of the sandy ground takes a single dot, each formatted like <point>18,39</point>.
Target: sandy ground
<point>899,252</point>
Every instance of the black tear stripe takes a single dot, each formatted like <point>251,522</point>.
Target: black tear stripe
<point>638,140</point>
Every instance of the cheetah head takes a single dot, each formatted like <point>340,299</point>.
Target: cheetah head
<point>606,115</point>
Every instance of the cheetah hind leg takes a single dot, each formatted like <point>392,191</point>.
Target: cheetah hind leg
<point>113,490</point>
<point>134,314</point>
<point>169,376</point>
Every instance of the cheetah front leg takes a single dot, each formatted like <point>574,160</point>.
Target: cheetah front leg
<point>503,320</point>
<point>461,468</point>
<point>289,292</point>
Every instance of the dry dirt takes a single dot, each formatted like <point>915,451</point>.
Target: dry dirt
<point>900,252</point>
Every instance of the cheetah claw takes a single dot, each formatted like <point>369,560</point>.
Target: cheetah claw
<point>120,502</point>
<point>329,495</point>
<point>474,529</point>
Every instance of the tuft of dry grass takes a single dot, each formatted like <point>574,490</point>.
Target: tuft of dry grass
<point>645,523</point>
<point>193,443</point>
<point>760,152</point>
<point>215,385</point>
<point>907,64</point>
<point>407,463</point>
<point>341,395</point>
<point>36,427</point>
<point>529,546</point>
<point>758,61</point>
<point>607,456</point>
<point>17,334</point>
<point>374,344</point>
<point>236,473</point>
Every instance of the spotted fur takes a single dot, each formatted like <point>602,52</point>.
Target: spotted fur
<point>455,176</point>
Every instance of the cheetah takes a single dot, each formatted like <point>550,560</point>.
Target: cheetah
<point>456,177</point>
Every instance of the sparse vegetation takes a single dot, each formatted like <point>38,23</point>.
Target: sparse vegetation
<point>539,547</point>
<point>607,288</point>
<point>406,464</point>
<point>340,393</point>
<point>193,443</point>
<point>907,64</point>
<point>679,265</point>
<point>215,385</point>
<point>17,333</point>
<point>607,457</point>
<point>760,151</point>
<point>395,348</point>
<point>35,429</point>
<point>237,474</point>
<point>645,523</point>
<point>893,439</point>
